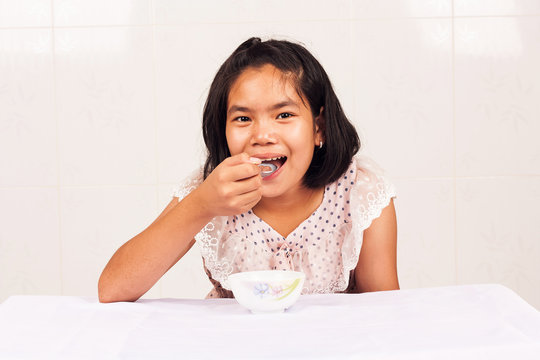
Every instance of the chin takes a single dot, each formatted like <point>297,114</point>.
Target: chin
<point>270,194</point>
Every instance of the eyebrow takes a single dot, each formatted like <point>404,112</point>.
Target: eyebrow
<point>279,105</point>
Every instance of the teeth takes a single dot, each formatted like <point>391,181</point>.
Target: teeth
<point>280,157</point>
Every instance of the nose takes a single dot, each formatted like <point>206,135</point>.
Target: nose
<point>263,133</point>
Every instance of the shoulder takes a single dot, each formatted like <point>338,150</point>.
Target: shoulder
<point>188,184</point>
<point>368,175</point>
<point>372,190</point>
<point>366,168</point>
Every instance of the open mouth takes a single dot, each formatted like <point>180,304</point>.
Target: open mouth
<point>270,166</point>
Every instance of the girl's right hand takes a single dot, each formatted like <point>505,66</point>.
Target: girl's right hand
<point>234,186</point>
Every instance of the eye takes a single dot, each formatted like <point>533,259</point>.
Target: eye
<point>241,119</point>
<point>284,115</point>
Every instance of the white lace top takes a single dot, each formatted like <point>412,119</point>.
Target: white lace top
<point>325,246</point>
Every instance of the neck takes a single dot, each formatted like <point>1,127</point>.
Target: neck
<point>292,202</point>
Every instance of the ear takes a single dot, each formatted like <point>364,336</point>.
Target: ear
<point>320,127</point>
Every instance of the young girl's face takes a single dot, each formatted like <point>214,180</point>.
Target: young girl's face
<point>267,119</point>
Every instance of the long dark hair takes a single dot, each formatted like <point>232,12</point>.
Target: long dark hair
<point>341,140</point>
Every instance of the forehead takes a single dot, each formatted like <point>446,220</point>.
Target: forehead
<point>263,85</point>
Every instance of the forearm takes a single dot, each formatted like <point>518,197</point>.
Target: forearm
<point>139,263</point>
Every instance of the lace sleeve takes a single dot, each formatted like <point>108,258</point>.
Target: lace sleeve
<point>371,194</point>
<point>208,239</point>
<point>188,185</point>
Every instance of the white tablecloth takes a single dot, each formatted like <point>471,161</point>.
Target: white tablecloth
<point>458,322</point>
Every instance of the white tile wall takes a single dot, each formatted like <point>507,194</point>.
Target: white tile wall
<point>496,7</point>
<point>400,9</point>
<point>173,12</point>
<point>102,12</point>
<point>403,80</point>
<point>498,233</point>
<point>30,256</point>
<point>95,222</point>
<point>32,13</point>
<point>100,110</point>
<point>426,242</point>
<point>105,105</point>
<point>497,96</point>
<point>28,138</point>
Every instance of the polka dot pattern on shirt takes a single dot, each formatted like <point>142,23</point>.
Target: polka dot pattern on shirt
<point>237,243</point>
<point>314,247</point>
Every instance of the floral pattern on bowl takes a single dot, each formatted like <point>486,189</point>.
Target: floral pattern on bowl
<point>276,292</point>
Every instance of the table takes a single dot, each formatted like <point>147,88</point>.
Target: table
<point>456,322</point>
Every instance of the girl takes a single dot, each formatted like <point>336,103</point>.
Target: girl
<point>281,188</point>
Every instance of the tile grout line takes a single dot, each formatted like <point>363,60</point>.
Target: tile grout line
<point>154,24</point>
<point>57,124</point>
<point>454,142</point>
<point>152,16</point>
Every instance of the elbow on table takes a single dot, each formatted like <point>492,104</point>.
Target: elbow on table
<point>108,293</point>
<point>110,297</point>
<point>105,294</point>
<point>106,298</point>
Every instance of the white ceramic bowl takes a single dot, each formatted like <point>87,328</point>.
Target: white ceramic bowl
<point>267,291</point>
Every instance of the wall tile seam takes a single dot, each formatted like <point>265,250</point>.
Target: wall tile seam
<point>58,176</point>
<point>84,26</point>
<point>358,19</point>
<point>496,16</point>
<point>82,187</point>
<point>322,20</point>
<point>154,108</point>
<point>306,20</point>
<point>454,146</point>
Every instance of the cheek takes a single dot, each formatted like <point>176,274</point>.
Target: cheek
<point>302,136</point>
<point>301,143</point>
<point>236,139</point>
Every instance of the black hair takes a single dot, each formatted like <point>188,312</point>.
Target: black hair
<point>341,140</point>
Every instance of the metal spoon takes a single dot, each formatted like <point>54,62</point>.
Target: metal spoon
<point>265,173</point>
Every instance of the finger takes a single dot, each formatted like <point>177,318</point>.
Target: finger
<point>242,159</point>
<point>254,202</point>
<point>247,185</point>
<point>240,172</point>
<point>247,171</point>
<point>250,199</point>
